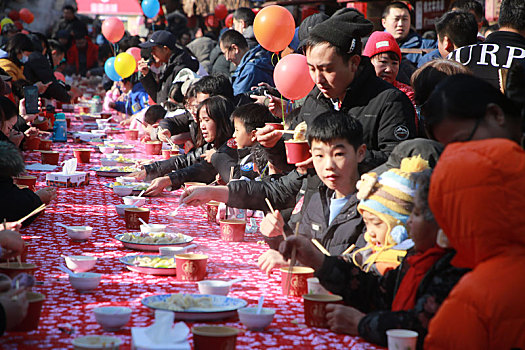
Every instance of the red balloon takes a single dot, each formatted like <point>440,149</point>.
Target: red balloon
<point>113,29</point>
<point>256,11</point>
<point>19,25</point>
<point>292,77</point>
<point>211,21</point>
<point>229,21</point>
<point>60,76</point>
<point>135,52</point>
<point>221,11</point>
<point>274,28</point>
<point>26,15</point>
<point>14,15</point>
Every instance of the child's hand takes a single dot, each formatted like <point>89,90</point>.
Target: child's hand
<point>343,319</point>
<point>307,253</point>
<point>272,225</point>
<point>164,135</point>
<point>269,260</point>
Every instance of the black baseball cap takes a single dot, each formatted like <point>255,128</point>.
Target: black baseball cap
<point>161,38</point>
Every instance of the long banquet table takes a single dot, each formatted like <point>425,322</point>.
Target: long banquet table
<point>93,205</point>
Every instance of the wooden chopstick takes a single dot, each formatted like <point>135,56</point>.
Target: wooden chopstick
<point>37,210</point>
<point>273,213</point>
<point>320,247</point>
<point>292,261</point>
<point>348,250</point>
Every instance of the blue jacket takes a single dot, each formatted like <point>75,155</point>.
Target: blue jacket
<point>137,100</point>
<point>416,41</point>
<point>432,55</point>
<point>255,67</point>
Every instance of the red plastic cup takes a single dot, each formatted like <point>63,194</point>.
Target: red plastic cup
<point>168,153</point>
<point>315,308</point>
<point>132,215</point>
<point>29,181</point>
<point>68,122</point>
<point>50,157</point>
<point>132,134</point>
<point>276,126</point>
<point>32,319</point>
<point>298,283</point>
<point>32,144</point>
<point>45,145</point>
<point>297,151</point>
<point>153,147</point>
<point>83,155</point>
<point>191,267</point>
<point>214,337</point>
<point>232,230</point>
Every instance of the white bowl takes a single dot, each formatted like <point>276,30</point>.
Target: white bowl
<point>85,281</point>
<point>153,228</point>
<point>112,318</point>
<point>106,149</point>
<point>89,342</point>
<point>108,162</point>
<point>80,263</point>
<point>172,251</point>
<point>249,317</point>
<point>125,179</point>
<point>79,233</point>
<point>123,190</point>
<point>215,287</point>
<point>121,207</point>
<point>130,200</point>
<point>113,142</point>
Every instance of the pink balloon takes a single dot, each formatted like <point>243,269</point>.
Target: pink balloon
<point>113,29</point>
<point>135,52</point>
<point>292,77</point>
<point>60,76</point>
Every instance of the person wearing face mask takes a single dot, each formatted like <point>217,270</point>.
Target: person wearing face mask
<point>18,49</point>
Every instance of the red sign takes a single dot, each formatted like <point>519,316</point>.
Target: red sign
<point>428,12</point>
<point>109,7</point>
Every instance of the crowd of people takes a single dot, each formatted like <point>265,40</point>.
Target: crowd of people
<point>416,174</point>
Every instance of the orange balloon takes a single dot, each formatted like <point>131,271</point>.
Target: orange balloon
<point>274,28</point>
<point>26,15</point>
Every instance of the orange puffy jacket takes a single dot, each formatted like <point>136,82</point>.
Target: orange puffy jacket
<point>477,195</point>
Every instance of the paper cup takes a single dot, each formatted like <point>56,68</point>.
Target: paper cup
<point>132,215</point>
<point>232,230</point>
<point>401,339</point>
<point>32,319</point>
<point>32,144</point>
<point>212,209</point>
<point>214,337</point>
<point>297,151</point>
<point>45,145</point>
<point>315,287</point>
<point>168,153</point>
<point>276,126</point>
<point>191,267</point>
<point>132,134</point>
<point>298,283</point>
<point>83,155</point>
<point>315,308</point>
<point>29,181</point>
<point>153,147</point>
<point>50,157</point>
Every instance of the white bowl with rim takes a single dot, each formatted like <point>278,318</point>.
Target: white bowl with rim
<point>79,233</point>
<point>153,228</point>
<point>112,318</point>
<point>214,287</point>
<point>90,342</point>
<point>132,200</point>
<point>85,282</point>
<point>80,263</point>
<point>123,190</point>
<point>106,149</point>
<point>252,320</point>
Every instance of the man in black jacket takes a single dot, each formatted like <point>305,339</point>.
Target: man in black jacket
<point>346,81</point>
<point>165,51</point>
<point>500,49</point>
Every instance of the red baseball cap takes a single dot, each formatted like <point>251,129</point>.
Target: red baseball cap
<point>380,42</point>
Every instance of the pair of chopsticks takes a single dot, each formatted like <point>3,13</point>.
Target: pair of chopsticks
<point>326,252</point>
<point>37,210</point>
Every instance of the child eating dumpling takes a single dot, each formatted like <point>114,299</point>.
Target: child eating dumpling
<point>386,203</point>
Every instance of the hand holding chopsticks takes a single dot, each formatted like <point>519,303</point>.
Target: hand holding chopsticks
<point>37,210</point>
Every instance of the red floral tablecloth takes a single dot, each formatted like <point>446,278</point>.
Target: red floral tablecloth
<point>93,205</point>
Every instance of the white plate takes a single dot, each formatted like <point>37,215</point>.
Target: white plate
<point>223,307</point>
<point>149,247</point>
<point>160,271</point>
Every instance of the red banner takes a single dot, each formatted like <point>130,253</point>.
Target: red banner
<point>109,7</point>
